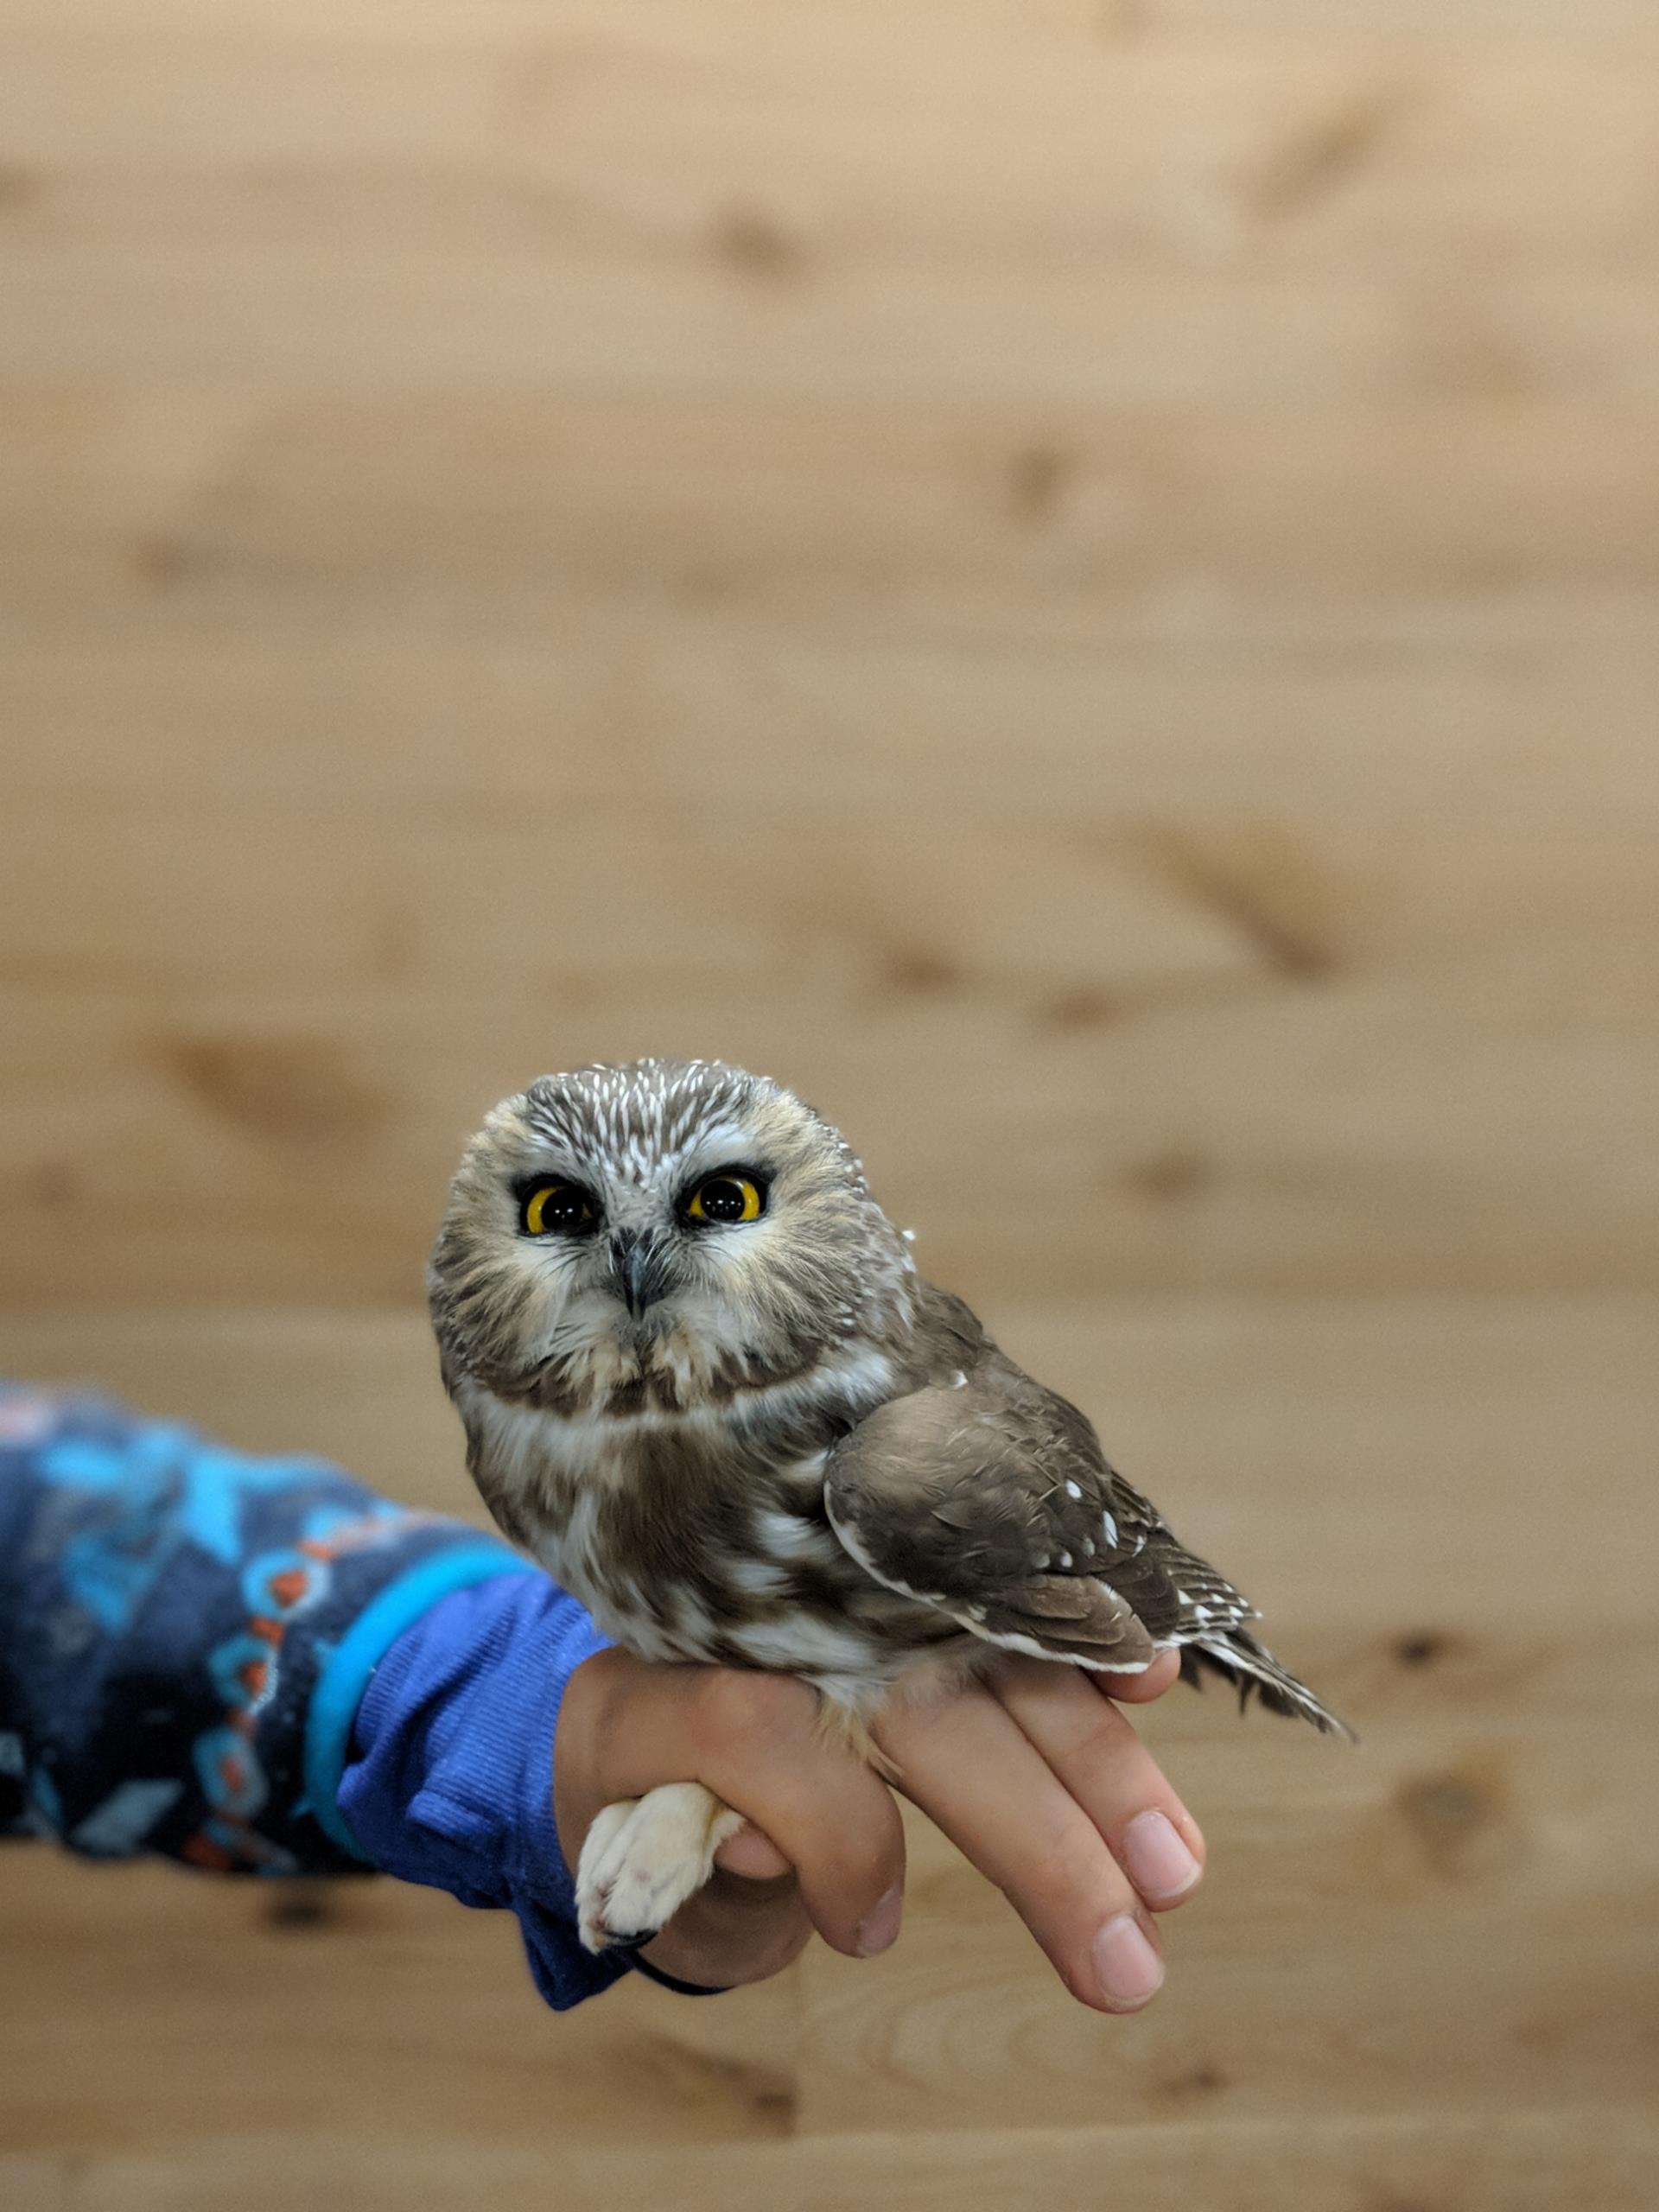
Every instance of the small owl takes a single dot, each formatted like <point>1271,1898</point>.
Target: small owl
<point>704,1386</point>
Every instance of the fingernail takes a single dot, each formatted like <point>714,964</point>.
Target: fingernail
<point>880,1924</point>
<point>1131,1972</point>
<point>1158,1863</point>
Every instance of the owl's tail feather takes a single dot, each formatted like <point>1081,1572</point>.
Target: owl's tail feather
<point>1236,1657</point>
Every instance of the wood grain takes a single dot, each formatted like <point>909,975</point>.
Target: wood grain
<point>1529,2162</point>
<point>226,496</point>
<point>1077,579</point>
<point>209,998</point>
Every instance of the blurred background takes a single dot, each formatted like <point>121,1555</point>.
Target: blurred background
<point>1076,580</point>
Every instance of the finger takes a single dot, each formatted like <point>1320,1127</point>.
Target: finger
<point>753,1857</point>
<point>1103,1764</point>
<point>976,1775</point>
<point>1140,1689</point>
<point>623,1730</point>
<point>615,1741</point>
<point>733,1931</point>
<point>768,1756</point>
<point>759,1743</point>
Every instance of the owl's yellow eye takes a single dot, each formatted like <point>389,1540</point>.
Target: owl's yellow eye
<point>555,1209</point>
<point>726,1199</point>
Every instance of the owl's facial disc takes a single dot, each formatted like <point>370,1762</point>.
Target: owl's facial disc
<point>678,1219</point>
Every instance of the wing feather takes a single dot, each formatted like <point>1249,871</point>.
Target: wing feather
<point>989,1498</point>
<point>1002,1513</point>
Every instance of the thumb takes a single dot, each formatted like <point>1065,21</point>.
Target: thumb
<point>755,1857</point>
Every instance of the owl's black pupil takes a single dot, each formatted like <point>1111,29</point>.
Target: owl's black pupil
<point>563,1209</point>
<point>722,1199</point>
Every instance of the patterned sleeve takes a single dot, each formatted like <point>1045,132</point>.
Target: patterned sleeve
<point>167,1611</point>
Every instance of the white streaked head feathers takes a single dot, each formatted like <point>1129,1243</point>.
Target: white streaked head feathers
<point>734,1305</point>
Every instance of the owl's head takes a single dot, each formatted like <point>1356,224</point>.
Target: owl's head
<point>672,1230</point>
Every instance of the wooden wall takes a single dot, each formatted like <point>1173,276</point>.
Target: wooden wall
<point>1077,580</point>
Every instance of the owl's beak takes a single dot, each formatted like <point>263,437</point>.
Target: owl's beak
<point>639,1273</point>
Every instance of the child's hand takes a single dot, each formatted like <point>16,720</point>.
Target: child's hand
<point>1036,1777</point>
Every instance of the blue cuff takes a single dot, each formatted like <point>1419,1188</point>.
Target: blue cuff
<point>346,1675</point>
<point>449,1777</point>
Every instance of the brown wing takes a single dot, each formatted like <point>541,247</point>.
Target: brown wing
<point>991,1499</point>
<point>989,1496</point>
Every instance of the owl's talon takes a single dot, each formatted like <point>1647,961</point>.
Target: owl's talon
<point>643,1858</point>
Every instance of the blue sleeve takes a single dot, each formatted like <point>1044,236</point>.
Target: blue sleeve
<point>260,1667</point>
<point>450,1774</point>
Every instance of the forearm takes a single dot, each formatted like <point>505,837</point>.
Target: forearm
<point>258,1666</point>
<point>166,1608</point>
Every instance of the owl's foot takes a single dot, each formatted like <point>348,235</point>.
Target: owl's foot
<point>643,1858</point>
